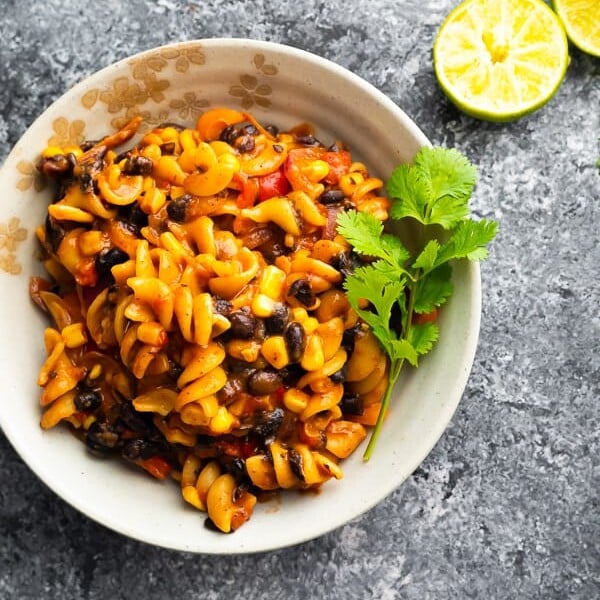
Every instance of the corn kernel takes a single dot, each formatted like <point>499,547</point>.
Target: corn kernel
<point>263,306</point>
<point>313,357</point>
<point>222,422</point>
<point>295,400</point>
<point>247,350</point>
<point>299,314</point>
<point>275,351</point>
<point>220,325</point>
<point>315,170</point>
<point>271,281</point>
<point>74,335</point>
<point>50,151</point>
<point>310,324</point>
<point>152,201</point>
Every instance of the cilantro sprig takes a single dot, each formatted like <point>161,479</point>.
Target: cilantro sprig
<point>434,191</point>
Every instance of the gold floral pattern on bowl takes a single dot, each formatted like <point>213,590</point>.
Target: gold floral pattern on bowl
<point>250,90</point>
<point>11,235</point>
<point>127,95</point>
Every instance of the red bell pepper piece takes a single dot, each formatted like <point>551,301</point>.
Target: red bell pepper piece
<point>273,184</point>
<point>248,190</point>
<point>157,466</point>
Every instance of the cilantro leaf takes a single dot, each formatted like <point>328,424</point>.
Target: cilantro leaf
<point>394,250</point>
<point>435,190</point>
<point>426,260</point>
<point>410,193</point>
<point>433,290</point>
<point>468,240</point>
<point>423,336</point>
<point>362,230</point>
<point>448,173</point>
<point>403,350</point>
<point>367,283</point>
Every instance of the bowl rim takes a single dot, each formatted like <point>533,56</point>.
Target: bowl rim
<point>472,327</point>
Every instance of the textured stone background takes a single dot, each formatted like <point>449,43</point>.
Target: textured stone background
<point>506,505</point>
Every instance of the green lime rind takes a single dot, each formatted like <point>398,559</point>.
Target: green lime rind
<point>484,113</point>
<point>573,37</point>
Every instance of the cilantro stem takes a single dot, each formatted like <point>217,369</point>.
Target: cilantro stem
<point>395,368</point>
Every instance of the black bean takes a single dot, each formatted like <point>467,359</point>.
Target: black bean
<point>331,197</point>
<point>263,382</point>
<point>88,400</point>
<point>105,261</point>
<point>278,320</point>
<point>349,339</point>
<point>138,165</point>
<point>272,129</point>
<point>167,148</point>
<point>229,134</point>
<point>295,341</point>
<point>346,262</point>
<point>57,166</point>
<point>139,449</point>
<point>245,143</point>
<point>235,384</point>
<point>243,324</point>
<point>296,463</point>
<point>134,420</point>
<point>250,129</point>
<point>177,208</point>
<point>278,148</point>
<point>54,232</point>
<point>175,370</point>
<point>102,437</point>
<point>122,156</point>
<point>352,404</point>
<point>267,423</point>
<point>222,306</point>
<point>300,290</point>
<point>88,145</point>
<point>340,375</point>
<point>291,374</point>
<point>137,217</point>
<point>308,140</point>
<point>236,466</point>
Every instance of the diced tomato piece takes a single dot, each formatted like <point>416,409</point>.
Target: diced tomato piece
<point>339,164</point>
<point>273,184</point>
<point>429,317</point>
<point>248,190</point>
<point>157,466</point>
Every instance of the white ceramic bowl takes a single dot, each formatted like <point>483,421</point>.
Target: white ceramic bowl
<point>279,85</point>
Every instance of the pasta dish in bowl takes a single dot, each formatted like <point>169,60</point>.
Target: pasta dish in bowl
<point>192,271</point>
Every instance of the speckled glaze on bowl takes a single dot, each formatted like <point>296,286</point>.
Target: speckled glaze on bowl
<point>279,85</point>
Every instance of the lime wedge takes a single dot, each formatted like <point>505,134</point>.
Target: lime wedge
<point>581,19</point>
<point>500,60</point>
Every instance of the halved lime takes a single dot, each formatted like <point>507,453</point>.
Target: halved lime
<point>500,60</point>
<point>581,19</point>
